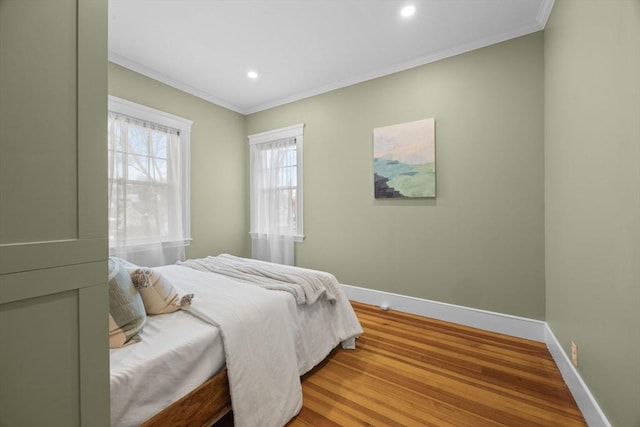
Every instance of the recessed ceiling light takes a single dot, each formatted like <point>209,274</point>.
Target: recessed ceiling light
<point>408,11</point>
<point>252,75</point>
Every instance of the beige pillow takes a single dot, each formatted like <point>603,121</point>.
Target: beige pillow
<point>158,294</point>
<point>126,310</point>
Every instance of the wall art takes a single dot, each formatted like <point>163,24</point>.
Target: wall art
<point>404,160</point>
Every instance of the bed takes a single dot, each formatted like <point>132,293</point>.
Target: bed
<point>178,373</point>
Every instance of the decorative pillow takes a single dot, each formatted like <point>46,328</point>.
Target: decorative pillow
<point>126,310</point>
<point>129,266</point>
<point>158,294</point>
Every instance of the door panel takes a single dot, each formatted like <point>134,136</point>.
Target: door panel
<point>54,357</point>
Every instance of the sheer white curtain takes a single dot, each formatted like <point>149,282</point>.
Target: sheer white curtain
<point>273,200</point>
<point>145,192</point>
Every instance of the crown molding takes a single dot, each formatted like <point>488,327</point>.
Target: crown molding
<point>170,81</point>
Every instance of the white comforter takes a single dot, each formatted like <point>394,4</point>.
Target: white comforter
<point>259,341</point>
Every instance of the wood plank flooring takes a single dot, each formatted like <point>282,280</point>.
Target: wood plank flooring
<point>414,371</point>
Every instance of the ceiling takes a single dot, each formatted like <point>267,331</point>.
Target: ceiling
<point>301,48</point>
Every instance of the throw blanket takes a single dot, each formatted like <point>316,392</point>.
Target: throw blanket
<point>304,284</point>
<point>259,344</point>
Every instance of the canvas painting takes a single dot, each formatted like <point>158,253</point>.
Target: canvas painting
<point>404,160</point>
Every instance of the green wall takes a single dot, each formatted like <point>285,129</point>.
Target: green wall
<point>592,195</point>
<point>480,242</point>
<point>218,152</point>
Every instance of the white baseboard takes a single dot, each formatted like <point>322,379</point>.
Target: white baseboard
<point>489,321</point>
<point>590,409</point>
<point>522,327</point>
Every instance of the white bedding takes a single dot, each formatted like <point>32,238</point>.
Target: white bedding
<point>318,329</point>
<point>177,353</point>
<point>307,286</point>
<point>259,342</point>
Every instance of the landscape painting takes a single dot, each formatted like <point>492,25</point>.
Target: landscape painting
<point>404,160</point>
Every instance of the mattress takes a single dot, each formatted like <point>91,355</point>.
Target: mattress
<point>178,351</point>
<point>176,354</point>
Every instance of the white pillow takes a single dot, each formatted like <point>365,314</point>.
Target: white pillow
<point>158,294</point>
<point>126,309</point>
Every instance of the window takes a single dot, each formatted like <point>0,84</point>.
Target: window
<point>276,193</point>
<point>148,175</point>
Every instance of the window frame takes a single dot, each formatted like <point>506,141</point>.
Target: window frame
<point>296,132</point>
<point>148,114</point>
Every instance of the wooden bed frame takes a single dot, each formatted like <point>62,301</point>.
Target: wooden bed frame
<point>209,403</point>
<point>203,406</point>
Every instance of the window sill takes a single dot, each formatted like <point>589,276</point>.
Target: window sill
<point>298,238</point>
<point>143,246</point>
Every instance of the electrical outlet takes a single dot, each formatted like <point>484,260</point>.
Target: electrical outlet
<point>574,354</point>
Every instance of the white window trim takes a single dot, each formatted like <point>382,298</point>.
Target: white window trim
<point>142,112</point>
<point>297,132</point>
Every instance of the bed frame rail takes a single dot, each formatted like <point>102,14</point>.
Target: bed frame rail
<point>203,406</point>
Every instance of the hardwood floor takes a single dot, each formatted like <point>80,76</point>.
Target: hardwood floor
<point>414,371</point>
